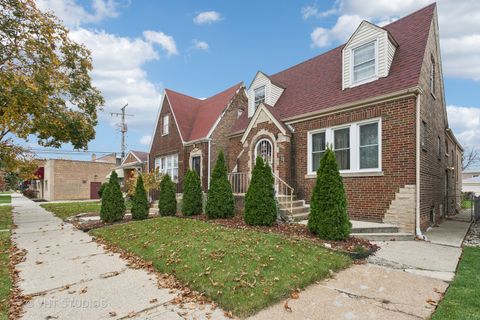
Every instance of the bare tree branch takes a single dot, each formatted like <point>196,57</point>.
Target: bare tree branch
<point>471,156</point>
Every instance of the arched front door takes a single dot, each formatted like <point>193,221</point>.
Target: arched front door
<point>264,149</point>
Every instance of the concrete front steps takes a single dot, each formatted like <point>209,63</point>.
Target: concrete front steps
<point>154,208</point>
<point>299,209</point>
<point>374,231</point>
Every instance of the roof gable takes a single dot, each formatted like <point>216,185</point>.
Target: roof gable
<point>270,113</point>
<point>196,117</point>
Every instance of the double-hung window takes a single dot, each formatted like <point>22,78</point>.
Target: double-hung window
<point>364,62</point>
<point>341,146</point>
<point>259,95</point>
<point>165,124</point>
<point>368,145</point>
<point>357,146</point>
<point>168,165</point>
<point>319,146</point>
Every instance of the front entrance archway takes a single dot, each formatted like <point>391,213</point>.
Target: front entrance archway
<point>264,149</point>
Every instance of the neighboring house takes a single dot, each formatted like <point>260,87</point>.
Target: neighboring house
<point>471,185</point>
<point>60,179</point>
<point>190,132</point>
<point>470,174</point>
<point>377,100</point>
<point>133,163</point>
<point>109,158</point>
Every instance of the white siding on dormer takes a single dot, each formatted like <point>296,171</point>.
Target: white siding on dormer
<point>385,50</point>
<point>272,92</point>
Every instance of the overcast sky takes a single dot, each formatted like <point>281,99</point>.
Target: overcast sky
<point>203,47</point>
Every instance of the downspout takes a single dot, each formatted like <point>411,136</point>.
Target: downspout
<point>418,230</point>
<point>209,161</point>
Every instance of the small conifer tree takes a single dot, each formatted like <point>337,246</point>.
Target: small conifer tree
<point>167,202</point>
<point>140,201</point>
<point>192,194</point>
<point>328,206</point>
<point>260,202</point>
<point>113,205</point>
<point>220,200</point>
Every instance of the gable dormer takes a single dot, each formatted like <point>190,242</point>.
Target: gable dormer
<point>367,55</point>
<point>262,90</point>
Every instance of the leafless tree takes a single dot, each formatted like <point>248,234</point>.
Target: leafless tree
<point>471,157</point>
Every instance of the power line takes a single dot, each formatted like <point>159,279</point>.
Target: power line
<point>123,126</point>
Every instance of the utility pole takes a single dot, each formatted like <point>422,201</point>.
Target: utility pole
<point>123,125</point>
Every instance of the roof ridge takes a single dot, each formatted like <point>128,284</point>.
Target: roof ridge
<point>434,4</point>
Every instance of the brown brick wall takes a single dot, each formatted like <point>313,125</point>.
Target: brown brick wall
<point>220,139</point>
<point>433,169</point>
<point>70,179</point>
<point>203,148</point>
<point>368,196</point>
<point>168,144</point>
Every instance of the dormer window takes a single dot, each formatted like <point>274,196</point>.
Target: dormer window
<point>364,64</point>
<point>259,95</point>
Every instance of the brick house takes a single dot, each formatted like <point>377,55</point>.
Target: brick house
<point>62,179</point>
<point>378,101</point>
<point>134,162</point>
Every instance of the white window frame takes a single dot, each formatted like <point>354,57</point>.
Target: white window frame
<point>310,147</point>
<point>352,66</point>
<point>162,163</point>
<point>165,128</point>
<point>264,96</point>
<point>354,145</point>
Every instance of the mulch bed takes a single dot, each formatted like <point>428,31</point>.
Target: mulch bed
<point>299,231</point>
<point>296,230</point>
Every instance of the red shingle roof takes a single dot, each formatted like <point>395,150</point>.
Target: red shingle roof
<point>316,84</point>
<point>143,156</point>
<point>195,117</point>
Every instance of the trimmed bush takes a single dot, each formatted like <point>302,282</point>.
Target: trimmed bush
<point>328,206</point>
<point>167,202</point>
<point>113,204</point>
<point>192,194</point>
<point>220,201</point>
<point>260,203</point>
<point>100,190</point>
<point>140,205</point>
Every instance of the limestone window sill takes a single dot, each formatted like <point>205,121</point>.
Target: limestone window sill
<point>352,174</point>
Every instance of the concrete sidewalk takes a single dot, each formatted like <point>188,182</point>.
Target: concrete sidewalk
<point>403,280</point>
<point>71,277</point>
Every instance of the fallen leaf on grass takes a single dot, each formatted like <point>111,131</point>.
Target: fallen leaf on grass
<point>228,314</point>
<point>294,295</point>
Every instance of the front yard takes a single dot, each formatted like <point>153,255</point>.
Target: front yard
<point>5,198</point>
<point>462,300</point>
<point>5,281</point>
<point>67,209</point>
<point>242,270</point>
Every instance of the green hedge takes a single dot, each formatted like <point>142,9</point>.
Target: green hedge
<point>192,194</point>
<point>113,204</point>
<point>328,206</point>
<point>167,202</point>
<point>220,201</point>
<point>140,205</point>
<point>260,203</point>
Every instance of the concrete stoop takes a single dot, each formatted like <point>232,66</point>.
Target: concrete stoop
<point>300,210</point>
<point>402,209</point>
<point>378,231</point>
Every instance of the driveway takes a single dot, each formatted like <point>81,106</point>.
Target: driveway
<point>403,280</point>
<point>69,276</point>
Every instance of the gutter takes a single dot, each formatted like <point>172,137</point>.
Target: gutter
<point>418,230</point>
<point>209,161</point>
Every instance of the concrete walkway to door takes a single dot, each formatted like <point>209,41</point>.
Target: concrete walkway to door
<point>69,276</point>
<point>403,280</point>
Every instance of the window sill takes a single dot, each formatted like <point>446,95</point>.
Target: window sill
<point>164,134</point>
<point>351,174</point>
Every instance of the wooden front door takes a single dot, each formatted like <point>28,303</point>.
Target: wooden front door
<point>94,187</point>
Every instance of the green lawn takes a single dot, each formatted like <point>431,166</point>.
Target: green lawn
<point>462,300</point>
<point>242,270</point>
<point>5,281</point>
<point>68,209</point>
<point>5,198</point>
